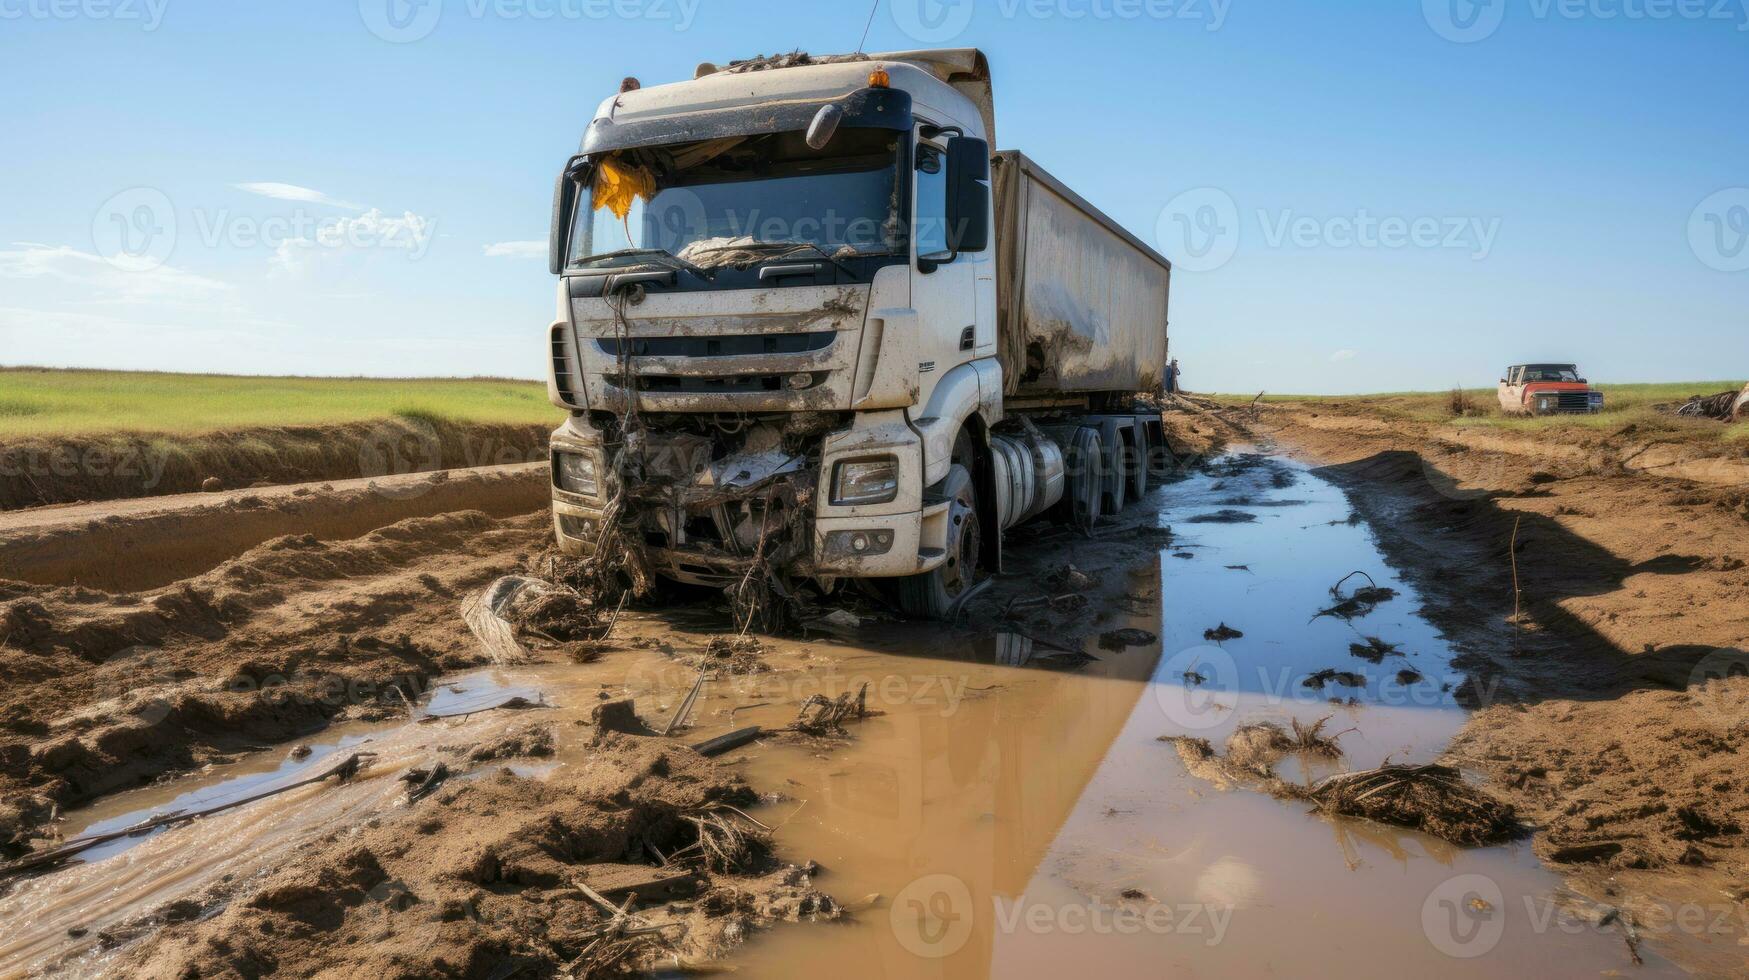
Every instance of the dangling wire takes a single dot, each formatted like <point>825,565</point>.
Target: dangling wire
<point>865,28</point>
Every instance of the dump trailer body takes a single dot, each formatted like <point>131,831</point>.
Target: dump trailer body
<point>1081,302</point>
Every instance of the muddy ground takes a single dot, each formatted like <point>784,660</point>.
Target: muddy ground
<point>1607,650</point>
<point>271,643</point>
<point>38,471</point>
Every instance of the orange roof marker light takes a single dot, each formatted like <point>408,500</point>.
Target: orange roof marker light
<point>879,79</point>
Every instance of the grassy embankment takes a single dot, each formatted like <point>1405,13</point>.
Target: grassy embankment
<point>1624,405</point>
<point>95,435</point>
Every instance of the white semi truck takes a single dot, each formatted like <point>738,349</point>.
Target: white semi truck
<point>810,328</point>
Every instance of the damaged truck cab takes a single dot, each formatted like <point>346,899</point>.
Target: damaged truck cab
<point>796,337</point>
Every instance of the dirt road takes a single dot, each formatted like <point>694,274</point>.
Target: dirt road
<point>1607,651</point>
<point>1002,804</point>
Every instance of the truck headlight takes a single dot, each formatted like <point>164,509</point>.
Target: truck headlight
<point>575,473</point>
<point>865,481</point>
<point>1596,400</point>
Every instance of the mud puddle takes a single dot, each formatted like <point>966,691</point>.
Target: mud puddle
<point>72,920</point>
<point>1042,829</point>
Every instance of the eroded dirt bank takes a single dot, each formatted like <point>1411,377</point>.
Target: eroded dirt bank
<point>148,696</point>
<point>39,471</point>
<point>1610,689</point>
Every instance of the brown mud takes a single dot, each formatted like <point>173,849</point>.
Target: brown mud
<point>1603,617</point>
<point>36,472</point>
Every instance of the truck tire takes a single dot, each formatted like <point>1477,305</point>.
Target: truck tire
<point>1138,462</point>
<point>1116,480</point>
<point>1083,491</point>
<point>932,594</point>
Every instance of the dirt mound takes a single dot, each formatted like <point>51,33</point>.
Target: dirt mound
<point>1608,709</point>
<point>493,878</point>
<point>106,692</point>
<point>35,472</point>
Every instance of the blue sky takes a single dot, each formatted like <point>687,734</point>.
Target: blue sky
<point>1360,196</point>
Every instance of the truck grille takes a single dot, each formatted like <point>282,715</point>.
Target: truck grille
<point>562,365</point>
<point>1574,401</point>
<point>729,346</point>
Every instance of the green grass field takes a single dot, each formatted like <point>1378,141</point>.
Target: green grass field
<point>37,403</point>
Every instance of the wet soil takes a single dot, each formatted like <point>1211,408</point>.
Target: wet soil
<point>1611,686</point>
<point>1002,799</point>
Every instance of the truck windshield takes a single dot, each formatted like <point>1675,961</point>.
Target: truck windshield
<point>743,201</point>
<point>1550,372</point>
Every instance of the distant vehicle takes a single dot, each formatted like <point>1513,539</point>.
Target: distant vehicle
<point>1547,389</point>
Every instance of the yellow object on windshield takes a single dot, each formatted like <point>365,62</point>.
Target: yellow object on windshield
<point>616,185</point>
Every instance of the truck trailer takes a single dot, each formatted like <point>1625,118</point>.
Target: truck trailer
<point>810,327</point>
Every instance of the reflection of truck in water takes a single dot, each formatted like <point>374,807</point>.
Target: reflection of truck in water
<point>1547,389</point>
<point>810,327</point>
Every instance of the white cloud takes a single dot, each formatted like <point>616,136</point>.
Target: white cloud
<point>1344,355</point>
<point>370,231</point>
<point>292,192</point>
<point>102,281</point>
<point>516,250</point>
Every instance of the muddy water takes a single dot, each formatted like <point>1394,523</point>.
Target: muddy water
<point>52,923</point>
<point>1009,803</point>
<point>1043,830</point>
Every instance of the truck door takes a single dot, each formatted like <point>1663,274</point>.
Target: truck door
<point>943,286</point>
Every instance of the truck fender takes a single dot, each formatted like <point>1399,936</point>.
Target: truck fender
<point>955,399</point>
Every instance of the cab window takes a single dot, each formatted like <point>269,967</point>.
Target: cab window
<point>931,220</point>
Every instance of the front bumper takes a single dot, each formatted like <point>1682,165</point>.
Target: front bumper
<point>705,535</point>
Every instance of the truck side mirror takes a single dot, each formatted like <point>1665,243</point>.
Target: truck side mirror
<point>968,195</point>
<point>564,205</point>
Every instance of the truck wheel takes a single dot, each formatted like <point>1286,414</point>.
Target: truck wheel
<point>1083,493</point>
<point>932,594</point>
<point>1115,476</point>
<point>1138,463</point>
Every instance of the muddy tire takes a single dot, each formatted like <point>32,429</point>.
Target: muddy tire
<point>1083,502</point>
<point>1136,459</point>
<point>1115,480</point>
<point>933,594</point>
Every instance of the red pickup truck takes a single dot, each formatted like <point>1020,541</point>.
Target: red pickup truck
<point>1547,389</point>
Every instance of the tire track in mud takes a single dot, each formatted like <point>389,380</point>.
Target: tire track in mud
<point>108,691</point>
<point>146,544</point>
